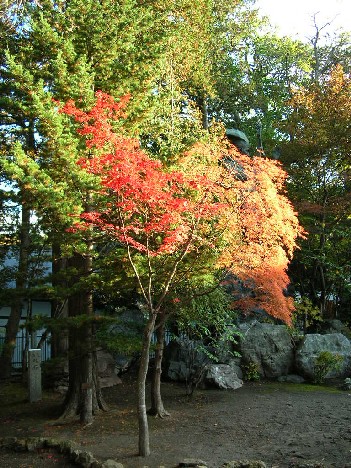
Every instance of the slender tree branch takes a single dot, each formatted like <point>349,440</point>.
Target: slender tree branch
<point>135,270</point>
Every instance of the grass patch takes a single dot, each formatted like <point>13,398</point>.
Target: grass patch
<point>299,388</point>
<point>12,393</point>
<point>14,396</point>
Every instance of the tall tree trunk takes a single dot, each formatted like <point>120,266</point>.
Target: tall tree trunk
<point>83,397</point>
<point>202,105</point>
<point>157,408</point>
<point>86,412</point>
<point>59,340</point>
<point>16,307</point>
<point>144,438</point>
<point>321,266</point>
<point>323,291</point>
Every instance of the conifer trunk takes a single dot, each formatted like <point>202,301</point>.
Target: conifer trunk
<point>83,397</point>
<point>16,307</point>
<point>59,340</point>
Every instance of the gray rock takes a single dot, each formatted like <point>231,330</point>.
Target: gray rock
<point>123,362</point>
<point>239,139</point>
<point>291,378</point>
<point>105,382</point>
<point>75,454</point>
<point>111,464</point>
<point>313,344</point>
<point>269,346</point>
<point>85,459</point>
<point>245,464</point>
<point>193,462</point>
<point>235,365</point>
<point>178,371</point>
<point>62,389</point>
<point>183,357</point>
<point>106,364</point>
<point>107,369</point>
<point>336,326</point>
<point>223,376</point>
<point>310,464</point>
<point>347,384</point>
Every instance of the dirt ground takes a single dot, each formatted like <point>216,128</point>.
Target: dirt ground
<point>284,425</point>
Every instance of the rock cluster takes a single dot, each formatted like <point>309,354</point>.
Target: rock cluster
<point>312,345</point>
<point>267,348</point>
<point>70,450</point>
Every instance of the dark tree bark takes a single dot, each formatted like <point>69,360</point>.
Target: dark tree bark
<point>59,340</point>
<point>203,108</point>
<point>17,304</point>
<point>84,396</point>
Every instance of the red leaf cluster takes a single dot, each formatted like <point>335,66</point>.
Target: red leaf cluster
<point>150,208</point>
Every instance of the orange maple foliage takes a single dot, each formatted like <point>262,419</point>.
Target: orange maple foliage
<point>262,228</point>
<point>269,231</point>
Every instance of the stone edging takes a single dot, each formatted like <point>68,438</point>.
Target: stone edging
<point>87,460</point>
<point>70,449</point>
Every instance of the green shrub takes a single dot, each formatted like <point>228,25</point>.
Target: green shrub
<point>251,371</point>
<point>305,314</point>
<point>326,362</point>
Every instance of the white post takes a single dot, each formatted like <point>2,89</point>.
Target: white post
<point>34,374</point>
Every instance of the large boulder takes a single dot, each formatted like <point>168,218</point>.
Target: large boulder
<point>187,361</point>
<point>184,358</point>
<point>107,369</point>
<point>222,376</point>
<point>313,344</point>
<point>269,347</point>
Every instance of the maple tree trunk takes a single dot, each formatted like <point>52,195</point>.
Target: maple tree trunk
<point>16,307</point>
<point>144,438</point>
<point>157,408</point>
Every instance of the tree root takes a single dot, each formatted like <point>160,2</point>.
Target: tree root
<point>162,414</point>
